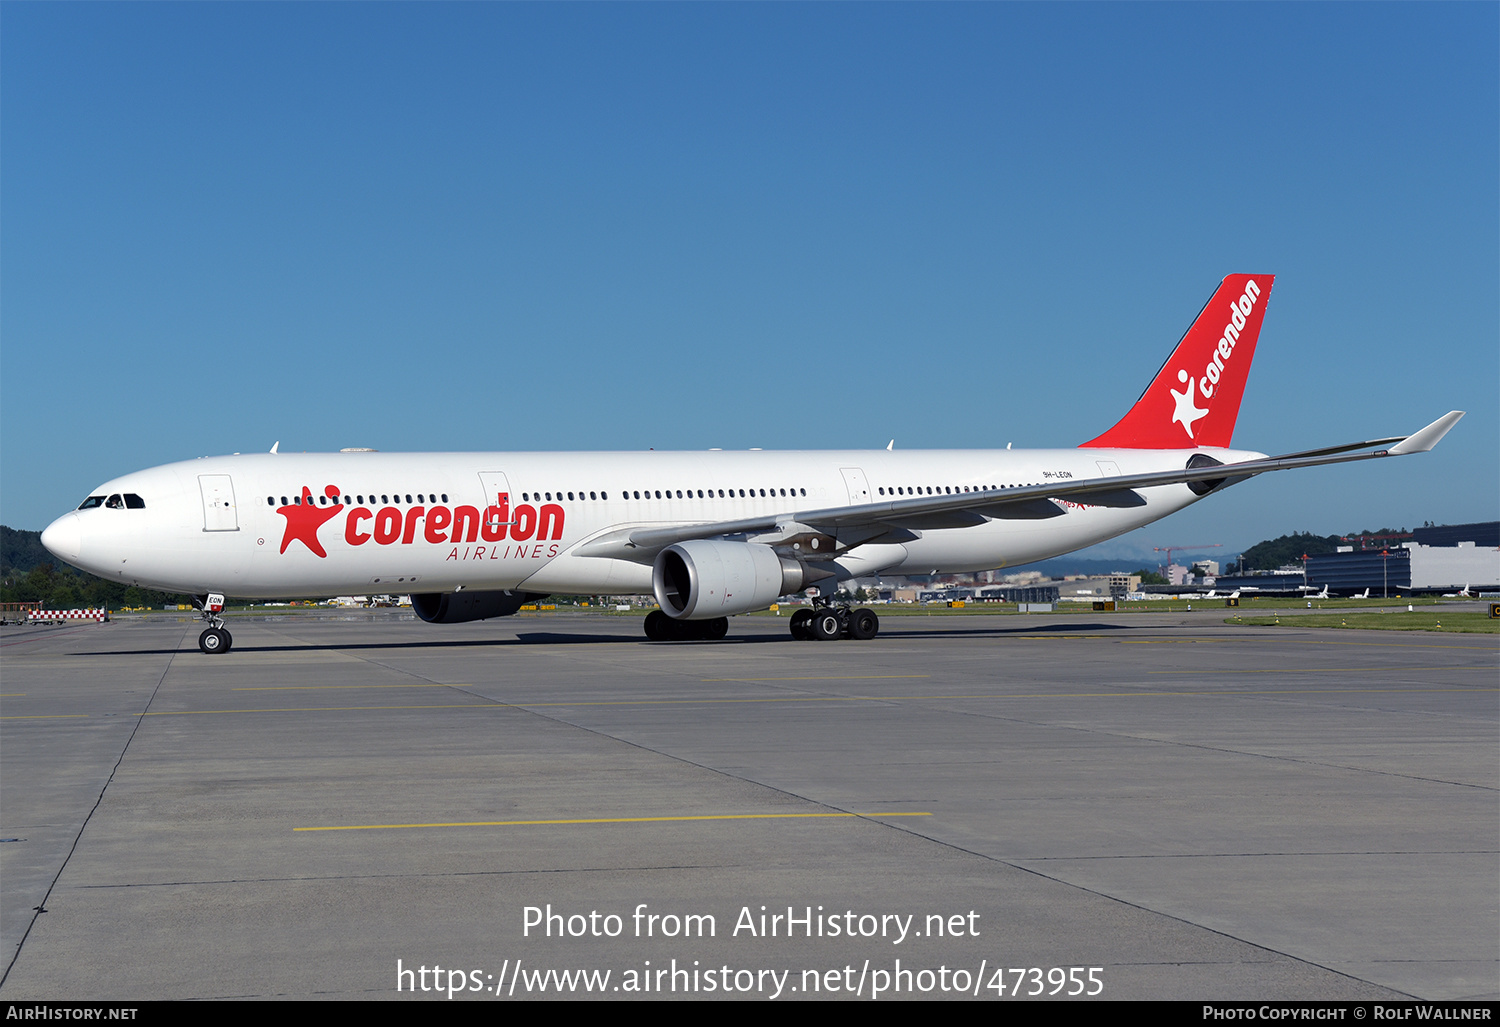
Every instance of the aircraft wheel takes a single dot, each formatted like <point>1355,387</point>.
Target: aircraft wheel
<point>658,626</point>
<point>715,629</point>
<point>863,625</point>
<point>801,621</point>
<point>214,640</point>
<point>826,626</point>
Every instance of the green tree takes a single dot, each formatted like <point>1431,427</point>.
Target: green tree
<point>1287,549</point>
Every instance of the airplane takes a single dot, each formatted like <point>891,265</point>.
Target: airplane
<point>477,535</point>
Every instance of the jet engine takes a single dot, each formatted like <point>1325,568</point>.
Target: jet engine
<point>702,579</point>
<point>462,607</point>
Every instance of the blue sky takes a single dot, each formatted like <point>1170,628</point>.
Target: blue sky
<point>580,226</point>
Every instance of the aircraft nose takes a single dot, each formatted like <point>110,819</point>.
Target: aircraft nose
<point>64,537</point>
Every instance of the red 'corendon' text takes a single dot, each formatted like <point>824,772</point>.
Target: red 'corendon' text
<point>438,524</point>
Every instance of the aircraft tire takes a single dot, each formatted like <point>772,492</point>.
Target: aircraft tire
<point>659,626</point>
<point>715,629</point>
<point>801,630</point>
<point>214,640</point>
<point>863,625</point>
<point>826,626</point>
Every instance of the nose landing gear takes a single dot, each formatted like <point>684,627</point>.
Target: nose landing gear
<point>215,638</point>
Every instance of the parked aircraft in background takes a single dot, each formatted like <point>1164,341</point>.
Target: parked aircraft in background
<point>476,535</point>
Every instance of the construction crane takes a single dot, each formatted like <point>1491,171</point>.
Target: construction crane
<point>1169,550</point>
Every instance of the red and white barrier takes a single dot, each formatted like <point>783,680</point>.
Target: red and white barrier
<point>57,616</point>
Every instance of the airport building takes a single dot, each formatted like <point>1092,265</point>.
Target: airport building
<point>1448,558</point>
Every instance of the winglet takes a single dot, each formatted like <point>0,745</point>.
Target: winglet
<point>274,445</point>
<point>1428,437</point>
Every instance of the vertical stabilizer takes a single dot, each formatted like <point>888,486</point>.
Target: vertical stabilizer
<point>1195,397</point>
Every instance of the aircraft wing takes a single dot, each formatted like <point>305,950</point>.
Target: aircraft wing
<point>892,518</point>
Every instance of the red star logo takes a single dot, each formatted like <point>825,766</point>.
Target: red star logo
<point>303,522</point>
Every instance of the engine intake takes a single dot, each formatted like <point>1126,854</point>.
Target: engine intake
<point>702,579</point>
<point>462,607</point>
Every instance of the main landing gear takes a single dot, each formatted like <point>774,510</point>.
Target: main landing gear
<point>661,628</point>
<point>826,623</point>
<point>215,638</point>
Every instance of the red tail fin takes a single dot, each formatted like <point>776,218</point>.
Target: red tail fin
<point>1208,367</point>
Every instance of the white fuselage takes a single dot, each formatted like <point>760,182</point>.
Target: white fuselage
<point>427,522</point>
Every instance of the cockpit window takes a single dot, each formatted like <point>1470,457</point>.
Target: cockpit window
<point>134,502</point>
<point>114,502</point>
<point>91,502</point>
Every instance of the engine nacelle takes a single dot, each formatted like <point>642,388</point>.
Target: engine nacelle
<point>701,579</point>
<point>462,607</point>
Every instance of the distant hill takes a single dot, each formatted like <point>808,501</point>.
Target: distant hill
<point>1278,552</point>
<point>22,550</point>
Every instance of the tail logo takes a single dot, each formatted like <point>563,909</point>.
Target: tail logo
<point>1198,389</point>
<point>1187,411</point>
